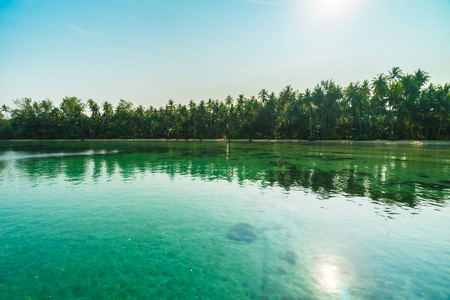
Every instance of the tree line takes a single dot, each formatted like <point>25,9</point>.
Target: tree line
<point>392,106</point>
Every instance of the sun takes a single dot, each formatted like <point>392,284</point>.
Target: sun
<point>332,9</point>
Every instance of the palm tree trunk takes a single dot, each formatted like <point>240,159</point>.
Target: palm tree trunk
<point>359,119</point>
<point>392,118</point>
<point>439,130</point>
<point>392,122</point>
<point>310,125</point>
<point>410,125</point>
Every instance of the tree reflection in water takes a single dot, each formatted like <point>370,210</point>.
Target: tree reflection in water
<point>403,176</point>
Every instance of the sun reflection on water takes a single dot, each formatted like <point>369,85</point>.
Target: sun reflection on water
<point>329,277</point>
<point>332,276</point>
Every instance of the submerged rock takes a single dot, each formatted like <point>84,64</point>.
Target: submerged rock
<point>289,256</point>
<point>242,232</point>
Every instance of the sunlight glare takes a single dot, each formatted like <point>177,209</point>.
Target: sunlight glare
<point>332,9</point>
<point>333,274</point>
<point>329,277</point>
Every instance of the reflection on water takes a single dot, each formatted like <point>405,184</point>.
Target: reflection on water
<point>388,175</point>
<point>328,274</point>
<point>333,275</point>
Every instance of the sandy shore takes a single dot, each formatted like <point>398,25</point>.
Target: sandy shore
<point>380,142</point>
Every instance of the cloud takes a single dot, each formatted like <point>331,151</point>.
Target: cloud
<point>81,30</point>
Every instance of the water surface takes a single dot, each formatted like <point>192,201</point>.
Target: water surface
<point>144,220</point>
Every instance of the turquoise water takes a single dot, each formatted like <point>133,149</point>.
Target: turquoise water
<point>180,220</point>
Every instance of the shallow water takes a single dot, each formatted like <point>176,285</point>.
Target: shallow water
<point>141,220</point>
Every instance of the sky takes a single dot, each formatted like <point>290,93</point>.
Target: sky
<point>148,52</point>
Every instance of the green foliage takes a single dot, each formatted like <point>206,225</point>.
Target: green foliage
<point>392,137</point>
<point>335,136</point>
<point>364,137</point>
<point>393,106</point>
<point>4,128</point>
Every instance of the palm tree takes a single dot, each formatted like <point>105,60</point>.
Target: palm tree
<point>421,77</point>
<point>355,101</point>
<point>287,95</point>
<point>412,85</point>
<point>108,111</point>
<point>240,100</point>
<point>263,95</point>
<point>58,114</point>
<point>442,106</point>
<point>395,74</point>
<point>93,106</point>
<point>229,101</point>
<point>192,117</point>
<point>395,91</point>
<point>409,104</point>
<point>308,102</point>
<point>202,120</point>
<point>318,98</point>
<point>364,94</point>
<point>6,109</point>
<point>46,105</point>
<point>333,95</point>
<point>380,89</point>
<point>268,115</point>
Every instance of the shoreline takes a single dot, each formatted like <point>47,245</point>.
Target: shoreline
<point>376,142</point>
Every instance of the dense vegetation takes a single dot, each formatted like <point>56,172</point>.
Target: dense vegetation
<point>393,106</point>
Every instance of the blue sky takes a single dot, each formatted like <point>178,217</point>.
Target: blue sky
<point>149,52</point>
